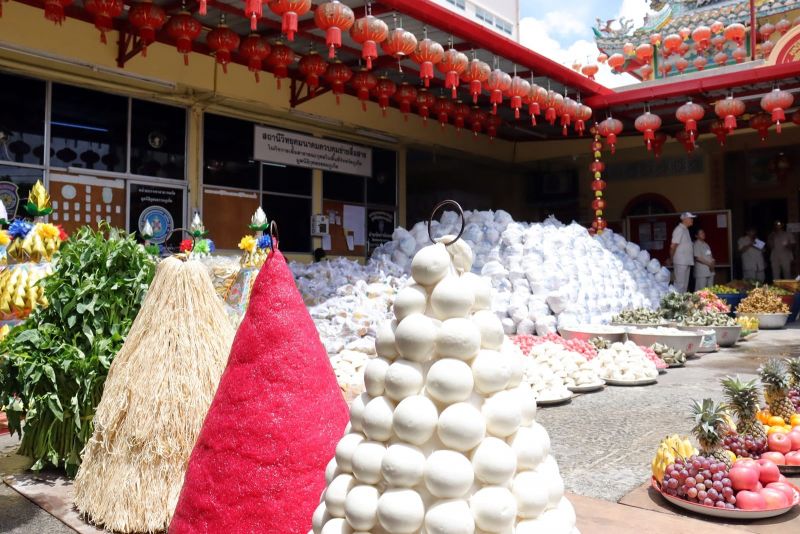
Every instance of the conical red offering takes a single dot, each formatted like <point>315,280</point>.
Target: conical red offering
<point>259,463</point>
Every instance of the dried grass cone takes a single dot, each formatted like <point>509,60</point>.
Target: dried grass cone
<point>156,397</point>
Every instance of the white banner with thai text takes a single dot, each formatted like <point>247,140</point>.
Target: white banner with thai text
<point>289,148</point>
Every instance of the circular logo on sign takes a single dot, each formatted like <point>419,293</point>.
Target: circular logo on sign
<point>160,220</point>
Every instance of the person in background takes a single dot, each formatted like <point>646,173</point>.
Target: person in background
<point>781,245</point>
<point>319,255</point>
<point>753,265</point>
<point>704,262</point>
<point>681,252</point>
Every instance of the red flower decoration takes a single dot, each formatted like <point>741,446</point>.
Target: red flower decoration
<point>62,235</point>
<point>186,245</point>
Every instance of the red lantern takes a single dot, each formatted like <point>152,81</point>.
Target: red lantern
<point>700,62</point>
<point>334,18</point>
<point>453,64</point>
<point>683,49</point>
<point>766,48</point>
<point>184,28</point>
<point>648,123</point>
<point>719,129</point>
<point>477,118</point>
<point>646,72</point>
<point>425,103</point>
<point>683,137</point>
<point>765,31</point>
<point>739,54</point>
<point>313,67</point>
<point>400,43</point>
<point>701,37</point>
<point>569,111</point>
<point>775,102</point>
<point>735,32</point>
<point>671,43</point>
<point>598,185</point>
<point>655,39</point>
<point>665,68</point>
<point>443,108</point>
<point>783,26</point>
<point>554,105</point>
<point>461,112</point>
<point>728,109</point>
<point>498,83</point>
<point>519,90</point>
<point>761,123</point>
<point>279,59</point>
<point>658,143</point>
<point>493,124</point>
<point>369,32</point>
<point>289,11</point>
<point>253,11</point>
<point>476,73</point>
<point>616,61</point>
<point>255,49</point>
<point>681,64</point>
<point>384,91</point>
<point>717,27</point>
<point>598,204</point>
<point>590,70</point>
<point>628,49</point>
<point>54,10</point>
<point>427,54</point>
<point>597,165</point>
<point>337,75</point>
<point>602,58</point>
<point>536,100</point>
<point>576,66</point>
<point>644,52</point>
<point>684,33</point>
<point>364,82</point>
<point>720,58</point>
<point>405,96</point>
<point>583,115</point>
<point>689,114</point>
<point>599,225</point>
<point>796,117</point>
<point>104,12</point>
<point>610,129</point>
<point>718,42</point>
<point>147,19</point>
<point>222,41</point>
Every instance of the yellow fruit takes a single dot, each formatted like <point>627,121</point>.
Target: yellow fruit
<point>776,420</point>
<point>774,429</point>
<point>795,420</point>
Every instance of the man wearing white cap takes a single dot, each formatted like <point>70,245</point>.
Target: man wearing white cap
<point>682,252</point>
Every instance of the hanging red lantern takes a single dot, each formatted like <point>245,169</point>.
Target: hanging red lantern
<point>684,33</point>
<point>590,70</point>
<point>222,41</point>
<point>369,32</point>
<point>519,90</point>
<point>796,117</point>
<point>493,124</point>
<point>425,103</point>
<point>597,166</point>
<point>765,31</point>
<point>775,102</point>
<point>598,204</point>
<point>719,129</point>
<point>537,98</point>
<point>498,83</point>
<point>681,64</point>
<point>628,49</point>
<point>477,119</point>
<point>766,48</point>
<point>253,10</point>
<point>452,65</point>
<point>616,61</point>
<point>646,72</point>
<point>476,73</point>
<point>671,43</point>
<point>184,28</point>
<point>683,137</point>
<point>701,37</point>
<point>255,49</point>
<point>334,18</point>
<point>655,39</point>
<point>337,76</point>
<point>689,114</point>
<point>718,42</point>
<point>461,112</point>
<point>735,32</point>
<point>405,96</point>
<point>104,13</point>
<point>717,27</point>
<point>599,185</point>
<point>700,62</point>
<point>54,10</point>
<point>783,26</point>
<point>384,91</point>
<point>584,114</point>
<point>400,43</point>
<point>147,19</point>
<point>289,11</point>
<point>739,54</point>
<point>554,105</point>
<point>728,109</point>
<point>569,111</point>
<point>602,58</point>
<point>364,82</point>
<point>761,123</point>
<point>312,66</point>
<point>648,123</point>
<point>427,54</point>
<point>444,107</point>
<point>610,129</point>
<point>644,52</point>
<point>720,58</point>
<point>665,68</point>
<point>576,66</point>
<point>683,49</point>
<point>658,143</point>
<point>279,59</point>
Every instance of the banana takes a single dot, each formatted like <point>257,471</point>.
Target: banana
<point>669,449</point>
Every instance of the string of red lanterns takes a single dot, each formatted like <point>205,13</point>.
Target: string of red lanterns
<point>597,167</point>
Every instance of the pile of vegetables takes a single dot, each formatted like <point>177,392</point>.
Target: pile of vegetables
<point>762,300</point>
<point>779,291</point>
<point>677,306</point>
<point>53,366</point>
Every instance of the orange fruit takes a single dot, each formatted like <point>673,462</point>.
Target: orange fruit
<point>763,416</point>
<point>776,420</point>
<point>795,420</point>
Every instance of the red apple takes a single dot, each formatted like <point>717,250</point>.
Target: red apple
<point>768,471</point>
<point>745,462</point>
<point>793,458</point>
<point>784,487</point>
<point>794,436</point>
<point>744,478</point>
<point>775,457</point>
<point>759,486</point>
<point>775,498</point>
<point>782,479</point>
<point>779,442</point>
<point>750,500</point>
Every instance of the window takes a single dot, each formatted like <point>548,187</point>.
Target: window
<point>228,153</point>
<point>158,140</point>
<point>88,129</point>
<point>287,200</point>
<point>15,186</point>
<point>22,119</point>
<point>482,14</point>
<point>503,25</point>
<point>458,3</point>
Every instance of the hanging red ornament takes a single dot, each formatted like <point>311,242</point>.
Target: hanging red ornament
<point>597,166</point>
<point>104,13</point>
<point>655,39</point>
<point>334,18</point>
<point>369,32</point>
<point>498,83</point>
<point>681,64</point>
<point>761,122</point>
<point>400,44</point>
<point>554,105</point>
<point>644,52</point>
<point>54,10</point>
<point>671,43</point>
<point>665,68</point>
<point>493,124</point>
<point>452,65</point>
<point>476,73</point>
<point>584,114</point>
<point>628,49</point>
<point>428,54</point>
<point>289,11</point>
<point>590,70</point>
<point>735,32</point>
<point>602,58</point>
<point>519,91</point>
<point>536,100</point>
<point>658,143</point>
<point>184,29</point>
<point>461,113</point>
<point>701,37</point>
<point>689,114</point>
<point>569,112</point>
<point>684,33</point>
<point>222,41</point>
<point>775,102</point>
<point>384,91</point>
<point>766,48</point>
<point>739,54</point>
<point>783,26</point>
<point>598,204</point>
<point>610,129</point>
<point>364,82</point>
<point>253,10</point>
<point>255,49</point>
<point>683,137</point>
<point>720,58</point>
<point>717,27</point>
<point>719,129</point>
<point>337,76</point>
<point>616,61</point>
<point>646,72</point>
<point>648,123</point>
<point>728,109</point>
<point>279,59</point>
<point>700,62</point>
<point>683,49</point>
<point>443,108</point>
<point>576,66</point>
<point>147,19</point>
<point>425,102</point>
<point>313,67</point>
<point>477,120</point>
<point>765,31</point>
<point>598,184</point>
<point>718,42</point>
<point>405,96</point>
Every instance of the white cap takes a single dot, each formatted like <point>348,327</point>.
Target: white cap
<point>688,215</point>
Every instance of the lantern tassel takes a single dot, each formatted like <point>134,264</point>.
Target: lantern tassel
<point>730,122</point>
<point>338,99</point>
<point>516,113</point>
<point>368,51</point>
<point>203,11</point>
<point>778,115</point>
<point>580,126</point>
<point>333,38</point>
<point>258,78</point>
<point>278,82</point>
<point>533,119</point>
<point>186,60</point>
<point>289,24</point>
<point>253,22</point>
<point>778,126</point>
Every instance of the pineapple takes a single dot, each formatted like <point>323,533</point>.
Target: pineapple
<point>742,398</point>
<point>710,427</point>
<point>775,381</point>
<point>793,365</point>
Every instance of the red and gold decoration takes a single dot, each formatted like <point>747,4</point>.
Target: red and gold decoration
<point>719,129</point>
<point>583,115</point>
<point>222,41</point>
<point>648,123</point>
<point>775,102</point>
<point>313,67</point>
<point>400,44</point>
<point>289,11</point>
<point>610,129</point>
<point>761,123</point>
<point>443,108</point>
<point>476,74</point>
<point>369,32</point>
<point>54,10</point>
<point>700,62</point>
<point>616,61</point>
<point>569,111</point>
<point>702,38</point>
<point>453,65</point>
<point>729,109</point>
<point>425,103</point>
<point>477,120</point>
<point>279,59</point>
<point>590,70</point>
<point>461,113</point>
<point>255,49</point>
<point>735,32</point>
<point>493,124</point>
<point>536,100</point>
<point>405,97</point>
<point>337,75</point>
<point>184,29</point>
<point>364,82</point>
<point>147,19</point>
<point>597,167</point>
<point>554,105</point>
<point>334,18</point>
<point>384,91</point>
<point>428,54</point>
<point>658,143</point>
<point>104,12</point>
<point>671,43</point>
<point>689,114</point>
<point>253,10</point>
<point>519,90</point>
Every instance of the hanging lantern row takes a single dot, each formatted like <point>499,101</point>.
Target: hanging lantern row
<point>597,167</point>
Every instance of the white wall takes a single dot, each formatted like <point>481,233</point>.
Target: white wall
<point>503,14</point>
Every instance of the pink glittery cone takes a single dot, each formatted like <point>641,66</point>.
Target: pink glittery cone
<point>259,463</point>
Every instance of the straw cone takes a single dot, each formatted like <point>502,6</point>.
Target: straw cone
<point>156,396</point>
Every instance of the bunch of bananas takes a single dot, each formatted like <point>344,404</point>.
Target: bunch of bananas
<point>669,449</point>
<point>19,292</point>
<point>748,324</point>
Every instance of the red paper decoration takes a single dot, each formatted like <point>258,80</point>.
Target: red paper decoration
<point>689,114</point>
<point>598,184</point>
<point>648,123</point>
<point>728,109</point>
<point>519,90</point>
<point>400,43</point>
<point>583,115</point>
<point>735,32</point>
<point>719,129</point>
<point>384,91</point>
<point>498,83</point>
<point>425,103</point>
<point>554,105</point>
<point>427,54</point>
<point>655,39</point>
<point>700,62</point>
<point>253,11</point>
<point>628,49</point>
<point>443,108</point>
<point>337,76</point>
<point>701,37</point>
<point>104,13</point>
<point>783,26</point>
<point>453,64</point>
<point>184,29</point>
<point>616,61</point>
<point>718,42</point>
<point>477,119</point>
<point>717,27</point>
<point>222,41</point>
<point>590,70</point>
<point>610,129</point>
<point>658,143</point>
<point>602,58</point>
<point>765,31</point>
<point>536,100</point>
<point>476,74</point>
<point>681,64</point>
<point>312,67</point>
<point>364,82</point>
<point>334,18</point>
<point>569,111</point>
<point>672,42</point>
<point>147,19</point>
<point>646,72</point>
<point>684,33</point>
<point>54,10</point>
<point>683,137</point>
<point>775,102</point>
<point>255,49</point>
<point>289,11</point>
<point>493,124</point>
<point>720,58</point>
<point>461,112</point>
<point>369,32</point>
<point>279,59</point>
<point>761,123</point>
<point>739,54</point>
<point>405,96</point>
<point>644,52</point>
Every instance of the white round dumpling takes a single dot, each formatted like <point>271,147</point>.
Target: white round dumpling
<point>494,461</point>
<point>449,517</point>
<point>458,338</point>
<point>403,379</point>
<point>331,470</point>
<point>357,411</point>
<point>345,450</point>
<point>526,402</point>
<point>460,252</point>
<point>494,509</point>
<point>415,419</point>
<point>320,517</point>
<point>375,375</point>
<point>448,474</point>
<point>410,299</point>
<point>401,511</point>
<point>531,491</point>
<point>481,288</point>
<point>377,420</point>
<point>336,494</point>
<point>461,426</point>
<point>530,448</point>
<point>367,461</point>
<point>430,264</point>
<point>502,414</point>
<point>449,380</point>
<point>415,337</point>
<point>452,297</point>
<point>361,507</point>
<point>490,329</point>
<point>403,465</point>
<point>336,525</point>
<point>491,371</point>
<point>384,340</point>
